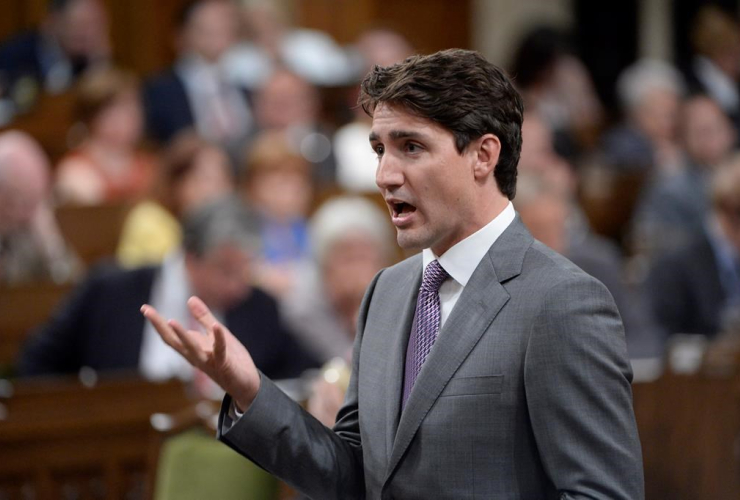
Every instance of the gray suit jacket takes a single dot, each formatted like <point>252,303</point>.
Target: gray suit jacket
<point>525,394</point>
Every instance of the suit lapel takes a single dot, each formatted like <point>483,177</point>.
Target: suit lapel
<point>408,292</point>
<point>480,302</point>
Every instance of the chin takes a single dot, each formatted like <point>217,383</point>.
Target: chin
<point>409,241</point>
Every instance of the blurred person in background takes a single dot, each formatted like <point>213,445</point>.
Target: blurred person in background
<point>695,288</point>
<point>673,208</point>
<point>650,93</point>
<point>551,214</point>
<point>322,309</point>
<point>290,104</point>
<point>277,183</point>
<point>539,157</point>
<point>715,69</point>
<point>194,92</point>
<point>272,43</point>
<point>31,246</point>
<point>556,85</point>
<point>72,38</point>
<point>109,165</point>
<point>193,172</point>
<point>351,241</point>
<point>356,163</point>
<point>100,326</point>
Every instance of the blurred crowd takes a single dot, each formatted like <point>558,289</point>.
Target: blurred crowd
<point>245,188</point>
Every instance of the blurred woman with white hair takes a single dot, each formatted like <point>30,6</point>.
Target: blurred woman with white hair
<point>351,241</point>
<point>650,92</point>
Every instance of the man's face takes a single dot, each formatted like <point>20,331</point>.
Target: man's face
<point>429,187</point>
<point>82,28</point>
<point>221,276</point>
<point>25,184</point>
<point>708,134</point>
<point>286,100</point>
<point>212,30</point>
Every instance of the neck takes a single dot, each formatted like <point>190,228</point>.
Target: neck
<point>488,210</point>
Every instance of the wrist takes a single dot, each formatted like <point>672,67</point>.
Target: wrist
<point>243,400</point>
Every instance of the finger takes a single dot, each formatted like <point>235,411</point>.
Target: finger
<point>164,330</point>
<point>201,313</point>
<point>219,344</point>
<point>194,352</point>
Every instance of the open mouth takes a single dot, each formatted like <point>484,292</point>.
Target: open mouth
<point>402,209</point>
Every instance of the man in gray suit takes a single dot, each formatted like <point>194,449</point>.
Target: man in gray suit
<point>488,366</point>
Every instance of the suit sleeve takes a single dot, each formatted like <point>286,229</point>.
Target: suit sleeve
<point>579,397</point>
<point>281,437</point>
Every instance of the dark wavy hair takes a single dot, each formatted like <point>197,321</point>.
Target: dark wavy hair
<point>461,91</point>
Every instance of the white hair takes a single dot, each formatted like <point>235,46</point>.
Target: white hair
<point>644,76</point>
<point>345,216</point>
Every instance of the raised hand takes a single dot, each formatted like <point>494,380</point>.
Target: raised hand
<point>217,352</point>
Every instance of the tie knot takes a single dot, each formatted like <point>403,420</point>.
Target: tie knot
<point>434,276</point>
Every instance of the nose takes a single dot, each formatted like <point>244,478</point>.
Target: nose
<point>388,174</point>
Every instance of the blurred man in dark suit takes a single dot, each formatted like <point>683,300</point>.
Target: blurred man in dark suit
<point>696,289</point>
<point>100,326</point>
<point>194,92</point>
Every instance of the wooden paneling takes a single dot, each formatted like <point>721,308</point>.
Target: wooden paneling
<point>22,308</point>
<point>20,15</point>
<point>343,19</point>
<point>142,31</point>
<point>430,25</point>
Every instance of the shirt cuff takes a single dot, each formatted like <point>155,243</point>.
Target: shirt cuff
<point>234,413</point>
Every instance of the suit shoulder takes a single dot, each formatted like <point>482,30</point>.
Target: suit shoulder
<point>553,271</point>
<point>258,306</point>
<point>261,298</point>
<point>162,82</point>
<point>113,279</point>
<point>406,267</point>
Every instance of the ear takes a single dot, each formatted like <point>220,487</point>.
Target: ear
<point>487,150</point>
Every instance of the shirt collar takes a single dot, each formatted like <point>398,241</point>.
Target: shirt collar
<point>463,258</point>
<point>721,87</point>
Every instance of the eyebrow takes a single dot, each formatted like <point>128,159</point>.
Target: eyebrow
<point>398,134</point>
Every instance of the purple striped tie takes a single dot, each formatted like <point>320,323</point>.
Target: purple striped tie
<point>426,324</point>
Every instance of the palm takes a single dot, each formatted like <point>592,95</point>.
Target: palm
<point>217,352</point>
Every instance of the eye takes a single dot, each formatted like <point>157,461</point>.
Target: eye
<point>379,149</point>
<point>412,147</point>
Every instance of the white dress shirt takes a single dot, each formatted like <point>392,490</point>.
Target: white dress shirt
<point>220,111</point>
<point>719,86</point>
<point>170,292</point>
<point>463,258</point>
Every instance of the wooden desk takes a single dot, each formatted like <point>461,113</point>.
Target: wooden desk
<point>690,429</point>
<point>61,439</point>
